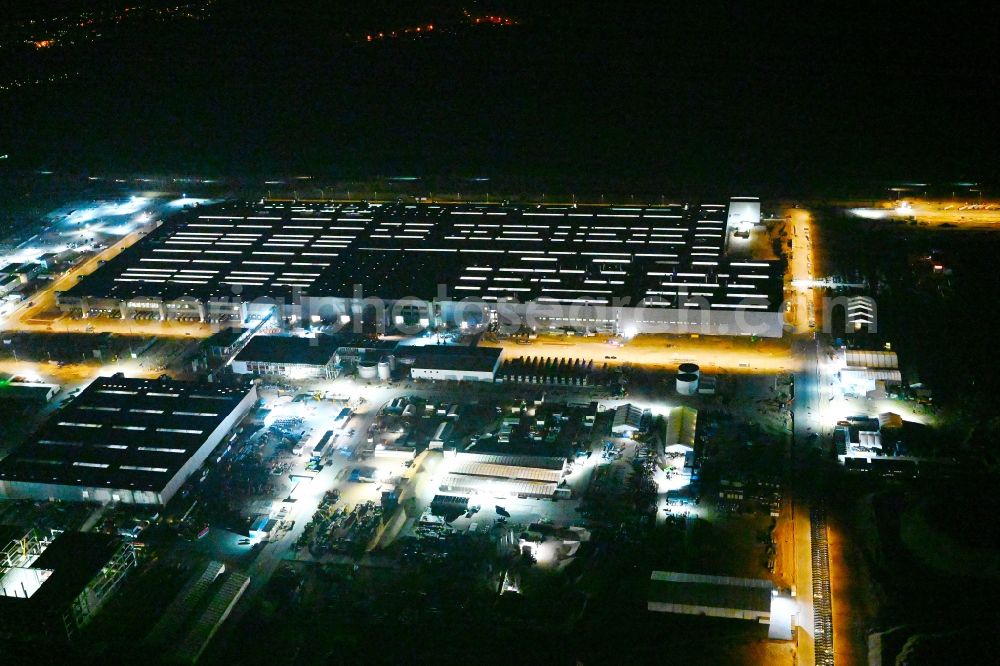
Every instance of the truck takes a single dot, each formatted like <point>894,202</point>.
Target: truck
<point>362,475</point>
<point>343,417</point>
<point>321,446</point>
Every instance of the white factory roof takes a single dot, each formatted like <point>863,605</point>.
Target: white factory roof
<point>872,375</point>
<point>496,487</point>
<point>669,256</point>
<point>870,440</point>
<point>627,417</point>
<point>857,358</point>
<point>508,472</point>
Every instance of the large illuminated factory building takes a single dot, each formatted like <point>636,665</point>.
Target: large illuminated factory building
<point>127,440</point>
<point>628,269</point>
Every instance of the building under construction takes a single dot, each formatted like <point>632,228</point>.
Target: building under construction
<point>53,583</point>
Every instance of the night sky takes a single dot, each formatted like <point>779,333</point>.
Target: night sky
<point>668,95</point>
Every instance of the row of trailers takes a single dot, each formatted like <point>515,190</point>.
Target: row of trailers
<point>322,447</point>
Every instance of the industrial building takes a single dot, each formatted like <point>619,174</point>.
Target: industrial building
<point>868,373</point>
<point>28,392</point>
<point>858,438</point>
<point>8,283</point>
<point>27,271</point>
<point>290,356</point>
<point>124,440</point>
<point>868,443</point>
<point>859,358</point>
<point>318,357</point>
<point>744,214</point>
<point>504,476</point>
<point>52,583</point>
<point>861,314</point>
<point>354,349</point>
<point>628,420</point>
<point>714,596</point>
<point>657,269</point>
<point>470,364</point>
<point>680,427</point>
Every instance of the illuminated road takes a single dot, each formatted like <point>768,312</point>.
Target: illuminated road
<point>809,408</point>
<point>813,418</point>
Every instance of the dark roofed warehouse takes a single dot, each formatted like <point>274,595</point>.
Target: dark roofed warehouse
<point>52,583</point>
<point>451,362</point>
<point>124,440</point>
<point>652,263</point>
<point>717,596</point>
<point>289,349</point>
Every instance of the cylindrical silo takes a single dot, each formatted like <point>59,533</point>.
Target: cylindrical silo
<point>384,372</point>
<point>689,369</point>
<point>687,384</point>
<point>367,370</point>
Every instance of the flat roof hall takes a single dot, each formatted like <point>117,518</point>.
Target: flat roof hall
<point>659,259</point>
<point>124,440</point>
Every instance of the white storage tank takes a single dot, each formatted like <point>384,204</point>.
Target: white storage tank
<point>687,384</point>
<point>367,370</point>
<point>384,372</point>
<point>689,369</point>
